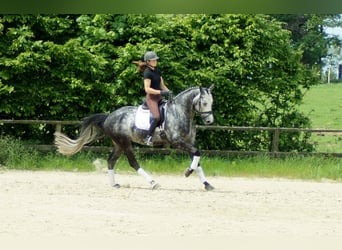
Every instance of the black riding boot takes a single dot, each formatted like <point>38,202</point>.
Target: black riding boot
<point>148,139</point>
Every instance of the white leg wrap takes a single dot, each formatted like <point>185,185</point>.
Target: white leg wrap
<point>201,174</point>
<point>195,162</point>
<point>142,173</point>
<point>111,177</point>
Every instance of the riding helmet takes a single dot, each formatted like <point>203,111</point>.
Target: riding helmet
<point>150,55</point>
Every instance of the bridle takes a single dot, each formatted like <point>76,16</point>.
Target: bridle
<point>204,114</point>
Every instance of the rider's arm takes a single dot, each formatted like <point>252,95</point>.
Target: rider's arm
<point>148,89</point>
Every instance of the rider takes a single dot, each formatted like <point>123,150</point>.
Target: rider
<point>155,88</point>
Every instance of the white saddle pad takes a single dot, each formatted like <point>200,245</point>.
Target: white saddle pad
<point>142,118</point>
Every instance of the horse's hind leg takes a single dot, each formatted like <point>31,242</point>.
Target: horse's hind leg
<point>113,157</point>
<point>133,162</point>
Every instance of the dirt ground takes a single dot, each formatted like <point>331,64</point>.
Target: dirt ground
<point>78,204</point>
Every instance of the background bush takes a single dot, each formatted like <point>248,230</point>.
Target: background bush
<point>65,67</point>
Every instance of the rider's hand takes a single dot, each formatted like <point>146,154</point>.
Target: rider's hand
<point>165,92</point>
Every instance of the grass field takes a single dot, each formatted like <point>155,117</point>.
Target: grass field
<point>323,105</point>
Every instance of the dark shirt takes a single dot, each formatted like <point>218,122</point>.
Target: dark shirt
<point>154,75</point>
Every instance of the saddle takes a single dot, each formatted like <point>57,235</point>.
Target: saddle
<point>143,116</point>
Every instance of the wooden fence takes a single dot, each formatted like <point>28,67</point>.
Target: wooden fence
<point>273,152</point>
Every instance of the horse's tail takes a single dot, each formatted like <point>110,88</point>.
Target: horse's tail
<point>91,129</point>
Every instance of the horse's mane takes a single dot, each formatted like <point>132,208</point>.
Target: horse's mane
<point>186,91</point>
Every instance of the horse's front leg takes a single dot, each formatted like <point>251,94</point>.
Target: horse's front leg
<point>195,163</point>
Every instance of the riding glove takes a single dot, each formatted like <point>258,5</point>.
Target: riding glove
<point>165,93</point>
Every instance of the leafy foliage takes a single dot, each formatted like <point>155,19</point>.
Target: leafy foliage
<point>65,67</point>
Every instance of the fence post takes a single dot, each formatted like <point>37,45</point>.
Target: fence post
<point>275,141</point>
<point>59,127</point>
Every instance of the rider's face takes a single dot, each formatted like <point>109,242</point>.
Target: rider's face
<point>153,63</point>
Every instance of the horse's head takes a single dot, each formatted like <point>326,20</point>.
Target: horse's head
<point>203,103</point>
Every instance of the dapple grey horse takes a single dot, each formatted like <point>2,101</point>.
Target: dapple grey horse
<point>178,130</point>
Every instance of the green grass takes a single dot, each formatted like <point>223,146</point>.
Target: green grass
<point>15,156</point>
<point>323,105</point>
<point>310,168</point>
<point>78,162</point>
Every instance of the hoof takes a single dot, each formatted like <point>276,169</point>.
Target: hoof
<point>208,187</point>
<point>116,186</point>
<point>155,185</point>
<point>188,172</point>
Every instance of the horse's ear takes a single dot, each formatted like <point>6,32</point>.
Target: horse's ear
<point>211,87</point>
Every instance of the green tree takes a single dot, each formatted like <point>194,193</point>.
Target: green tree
<point>258,74</point>
<point>48,74</point>
<point>68,66</point>
<point>308,34</point>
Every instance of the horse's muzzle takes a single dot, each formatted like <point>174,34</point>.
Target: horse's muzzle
<point>208,119</point>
